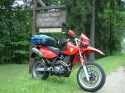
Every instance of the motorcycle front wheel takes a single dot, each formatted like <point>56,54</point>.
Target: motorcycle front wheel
<point>96,74</point>
<point>39,74</point>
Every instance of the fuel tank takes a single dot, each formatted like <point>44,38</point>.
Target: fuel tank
<point>70,49</point>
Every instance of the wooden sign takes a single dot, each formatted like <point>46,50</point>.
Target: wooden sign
<point>51,19</point>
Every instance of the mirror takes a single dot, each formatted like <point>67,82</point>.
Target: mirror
<point>64,24</point>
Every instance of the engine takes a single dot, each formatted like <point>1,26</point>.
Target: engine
<point>62,67</point>
<point>59,69</point>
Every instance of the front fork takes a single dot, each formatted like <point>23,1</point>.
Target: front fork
<point>82,60</point>
<point>84,67</point>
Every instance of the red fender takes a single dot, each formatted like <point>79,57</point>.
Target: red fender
<point>87,50</point>
<point>77,59</point>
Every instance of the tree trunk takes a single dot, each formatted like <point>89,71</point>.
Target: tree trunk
<point>112,7</point>
<point>110,36</point>
<point>92,32</point>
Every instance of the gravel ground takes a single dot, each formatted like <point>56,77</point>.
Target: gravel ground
<point>115,82</point>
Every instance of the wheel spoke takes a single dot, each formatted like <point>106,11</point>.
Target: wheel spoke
<point>36,73</point>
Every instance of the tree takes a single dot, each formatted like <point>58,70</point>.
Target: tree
<point>92,32</point>
<point>78,11</point>
<point>14,32</point>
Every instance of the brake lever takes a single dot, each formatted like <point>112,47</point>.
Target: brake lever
<point>63,32</point>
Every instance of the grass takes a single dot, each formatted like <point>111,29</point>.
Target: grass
<point>111,63</point>
<point>14,78</point>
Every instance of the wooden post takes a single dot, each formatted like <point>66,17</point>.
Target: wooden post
<point>31,60</point>
<point>34,18</point>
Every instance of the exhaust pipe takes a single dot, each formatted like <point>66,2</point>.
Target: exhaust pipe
<point>44,69</point>
<point>37,51</point>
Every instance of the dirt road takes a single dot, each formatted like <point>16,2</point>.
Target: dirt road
<point>115,82</point>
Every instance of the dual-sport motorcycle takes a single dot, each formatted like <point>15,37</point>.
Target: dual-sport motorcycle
<point>60,61</point>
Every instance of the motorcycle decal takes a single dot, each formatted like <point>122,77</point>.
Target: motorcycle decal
<point>71,50</point>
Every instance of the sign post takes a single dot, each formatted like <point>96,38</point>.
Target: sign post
<point>31,60</point>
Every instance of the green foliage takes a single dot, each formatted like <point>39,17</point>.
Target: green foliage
<point>111,19</point>
<point>15,32</point>
<point>109,13</point>
<point>78,10</point>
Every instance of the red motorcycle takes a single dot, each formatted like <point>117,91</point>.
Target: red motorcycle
<point>60,61</point>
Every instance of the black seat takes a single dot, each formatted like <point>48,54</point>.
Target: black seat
<point>55,50</point>
<point>62,44</point>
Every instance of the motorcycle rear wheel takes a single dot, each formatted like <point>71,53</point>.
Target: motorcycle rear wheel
<point>96,75</point>
<point>39,74</point>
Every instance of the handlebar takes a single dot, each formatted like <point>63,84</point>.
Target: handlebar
<point>69,33</point>
<point>76,39</point>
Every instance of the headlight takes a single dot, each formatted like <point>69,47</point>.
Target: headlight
<point>87,42</point>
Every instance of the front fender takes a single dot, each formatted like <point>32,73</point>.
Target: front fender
<point>87,50</point>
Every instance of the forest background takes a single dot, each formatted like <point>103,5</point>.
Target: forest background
<point>16,25</point>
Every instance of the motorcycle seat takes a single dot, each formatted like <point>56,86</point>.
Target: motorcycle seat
<point>53,49</point>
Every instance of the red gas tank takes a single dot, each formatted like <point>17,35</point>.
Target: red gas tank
<point>70,49</point>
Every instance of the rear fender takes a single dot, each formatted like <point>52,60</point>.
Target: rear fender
<point>47,53</point>
<point>87,50</point>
